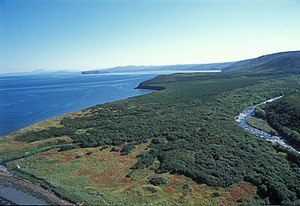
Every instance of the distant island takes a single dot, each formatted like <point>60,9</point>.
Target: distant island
<point>95,72</point>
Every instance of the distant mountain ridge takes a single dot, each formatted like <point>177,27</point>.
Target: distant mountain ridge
<point>277,63</point>
<point>39,72</point>
<point>179,67</point>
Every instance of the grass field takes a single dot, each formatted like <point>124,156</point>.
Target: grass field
<point>99,178</point>
<point>10,148</point>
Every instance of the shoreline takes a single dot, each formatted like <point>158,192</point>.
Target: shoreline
<point>29,190</point>
<point>153,88</point>
<point>26,187</point>
<point>72,101</point>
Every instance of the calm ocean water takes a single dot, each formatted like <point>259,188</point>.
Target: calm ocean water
<point>25,100</point>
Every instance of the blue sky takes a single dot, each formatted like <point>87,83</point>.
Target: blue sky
<point>89,34</point>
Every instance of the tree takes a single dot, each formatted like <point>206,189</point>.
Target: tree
<point>156,181</point>
<point>260,113</point>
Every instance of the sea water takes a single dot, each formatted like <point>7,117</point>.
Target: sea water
<point>29,99</point>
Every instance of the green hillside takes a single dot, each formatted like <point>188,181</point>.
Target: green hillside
<point>180,145</point>
<point>284,63</point>
<point>284,116</point>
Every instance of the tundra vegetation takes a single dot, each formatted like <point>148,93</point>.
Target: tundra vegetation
<point>178,145</point>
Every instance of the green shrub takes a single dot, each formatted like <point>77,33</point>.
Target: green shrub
<point>127,149</point>
<point>89,153</point>
<point>104,147</point>
<point>215,194</point>
<point>156,181</point>
<point>67,147</point>
<point>77,156</point>
<point>114,149</point>
<point>260,113</point>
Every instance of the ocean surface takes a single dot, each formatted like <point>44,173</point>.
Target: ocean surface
<point>29,99</point>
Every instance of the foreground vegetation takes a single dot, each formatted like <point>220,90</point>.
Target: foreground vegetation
<point>100,177</point>
<point>179,145</point>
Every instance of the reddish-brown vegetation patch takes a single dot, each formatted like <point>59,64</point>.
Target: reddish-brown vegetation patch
<point>242,191</point>
<point>124,180</point>
<point>172,183</point>
<point>112,167</point>
<point>62,156</point>
<point>127,189</point>
<point>104,175</point>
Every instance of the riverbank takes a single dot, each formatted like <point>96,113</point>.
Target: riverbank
<point>14,190</point>
<point>249,112</point>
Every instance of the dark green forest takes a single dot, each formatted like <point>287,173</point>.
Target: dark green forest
<point>284,116</point>
<point>192,130</point>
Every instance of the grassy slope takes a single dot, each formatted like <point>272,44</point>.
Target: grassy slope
<point>282,63</point>
<point>203,106</point>
<point>10,148</point>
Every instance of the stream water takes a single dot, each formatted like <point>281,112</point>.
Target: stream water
<point>249,112</point>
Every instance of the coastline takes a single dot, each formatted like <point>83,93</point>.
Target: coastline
<point>49,195</point>
<point>26,189</point>
<point>70,93</point>
<point>154,88</point>
<point>41,195</point>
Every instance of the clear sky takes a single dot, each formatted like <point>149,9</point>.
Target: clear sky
<point>90,34</point>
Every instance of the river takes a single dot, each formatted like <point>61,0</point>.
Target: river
<point>249,112</point>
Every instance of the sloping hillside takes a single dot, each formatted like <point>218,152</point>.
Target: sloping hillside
<point>284,63</point>
<point>273,64</point>
<point>284,116</point>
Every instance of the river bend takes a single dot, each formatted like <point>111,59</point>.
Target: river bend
<point>249,112</point>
